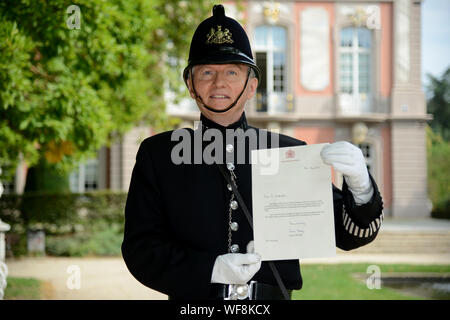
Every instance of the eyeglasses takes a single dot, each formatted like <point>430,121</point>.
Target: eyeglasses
<point>229,74</point>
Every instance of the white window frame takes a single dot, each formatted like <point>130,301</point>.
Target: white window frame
<point>275,99</point>
<point>78,177</point>
<point>356,102</point>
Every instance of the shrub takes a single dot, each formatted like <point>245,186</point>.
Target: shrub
<point>75,224</point>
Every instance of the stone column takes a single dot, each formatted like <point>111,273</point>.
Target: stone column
<point>408,114</point>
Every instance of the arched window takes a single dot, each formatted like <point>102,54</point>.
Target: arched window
<point>270,51</point>
<point>355,70</point>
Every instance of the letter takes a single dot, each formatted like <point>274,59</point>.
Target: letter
<point>74,280</point>
<point>183,310</point>
<point>268,158</point>
<point>229,308</point>
<point>192,309</point>
<point>210,311</point>
<point>374,280</point>
<point>216,146</point>
<point>73,21</point>
<point>241,146</point>
<point>266,309</point>
<point>198,142</point>
<point>373,20</point>
<point>184,145</point>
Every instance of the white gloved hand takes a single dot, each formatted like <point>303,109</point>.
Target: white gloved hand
<point>349,160</point>
<point>236,268</point>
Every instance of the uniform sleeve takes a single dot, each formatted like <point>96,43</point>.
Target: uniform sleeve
<point>149,251</point>
<point>356,225</point>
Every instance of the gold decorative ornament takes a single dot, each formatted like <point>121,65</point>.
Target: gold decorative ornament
<point>272,12</point>
<point>359,17</point>
<point>218,36</point>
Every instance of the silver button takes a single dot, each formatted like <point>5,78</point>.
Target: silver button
<point>234,248</point>
<point>230,166</point>
<point>242,291</point>
<point>234,204</point>
<point>229,148</point>
<point>229,187</point>
<point>234,226</point>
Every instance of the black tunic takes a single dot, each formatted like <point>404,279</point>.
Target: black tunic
<point>176,217</point>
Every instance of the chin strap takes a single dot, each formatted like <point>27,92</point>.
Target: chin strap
<point>199,99</point>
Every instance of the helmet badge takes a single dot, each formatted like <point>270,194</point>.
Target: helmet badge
<point>218,36</point>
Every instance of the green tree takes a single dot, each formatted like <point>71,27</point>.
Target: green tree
<point>64,91</point>
<point>438,155</point>
<point>438,103</point>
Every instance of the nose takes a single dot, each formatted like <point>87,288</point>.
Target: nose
<point>219,79</point>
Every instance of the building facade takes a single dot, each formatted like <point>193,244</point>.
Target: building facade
<point>344,70</point>
<point>331,70</point>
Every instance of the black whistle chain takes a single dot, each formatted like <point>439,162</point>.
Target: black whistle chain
<point>250,221</point>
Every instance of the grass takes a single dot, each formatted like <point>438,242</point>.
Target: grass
<point>336,282</point>
<point>320,282</point>
<point>23,289</point>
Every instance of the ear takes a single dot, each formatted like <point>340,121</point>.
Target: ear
<point>189,85</point>
<point>252,86</point>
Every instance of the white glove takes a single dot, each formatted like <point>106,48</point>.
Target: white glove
<point>349,160</point>
<point>236,268</point>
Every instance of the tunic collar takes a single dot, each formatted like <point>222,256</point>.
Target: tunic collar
<point>241,123</point>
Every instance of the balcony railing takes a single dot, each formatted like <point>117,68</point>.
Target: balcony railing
<point>351,105</point>
<point>274,102</point>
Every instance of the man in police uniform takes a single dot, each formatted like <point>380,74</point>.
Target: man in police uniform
<point>186,233</point>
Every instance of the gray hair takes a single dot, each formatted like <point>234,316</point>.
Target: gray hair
<point>252,73</point>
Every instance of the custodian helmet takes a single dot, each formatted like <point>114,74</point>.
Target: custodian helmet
<point>220,40</point>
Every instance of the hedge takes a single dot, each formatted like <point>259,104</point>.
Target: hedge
<point>75,224</point>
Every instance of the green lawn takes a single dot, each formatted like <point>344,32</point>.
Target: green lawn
<point>335,282</point>
<point>320,282</point>
<point>23,289</point>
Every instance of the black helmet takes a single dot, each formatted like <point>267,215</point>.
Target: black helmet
<point>220,40</point>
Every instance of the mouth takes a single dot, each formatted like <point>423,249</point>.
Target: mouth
<point>219,97</point>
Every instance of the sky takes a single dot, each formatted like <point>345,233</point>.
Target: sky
<point>435,37</point>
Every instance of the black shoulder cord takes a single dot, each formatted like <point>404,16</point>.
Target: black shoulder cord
<point>249,219</point>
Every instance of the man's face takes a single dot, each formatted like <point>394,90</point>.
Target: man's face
<point>219,85</point>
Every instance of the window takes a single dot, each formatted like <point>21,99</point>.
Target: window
<point>8,182</point>
<point>270,49</point>
<point>86,177</point>
<point>354,69</point>
<point>9,187</point>
<point>367,151</point>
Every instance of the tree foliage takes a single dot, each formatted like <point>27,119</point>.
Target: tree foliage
<point>438,155</point>
<point>64,91</point>
<point>438,144</point>
<point>438,103</point>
